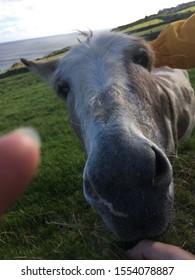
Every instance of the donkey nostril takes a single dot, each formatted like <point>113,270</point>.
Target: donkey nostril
<point>162,167</point>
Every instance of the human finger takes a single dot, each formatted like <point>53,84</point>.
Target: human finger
<point>19,159</point>
<point>153,250</point>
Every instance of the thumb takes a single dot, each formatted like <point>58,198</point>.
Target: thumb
<point>19,158</point>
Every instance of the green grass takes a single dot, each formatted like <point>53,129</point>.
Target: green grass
<point>144,24</point>
<point>191,9</point>
<point>52,220</point>
<point>151,30</point>
<point>182,229</point>
<point>153,25</point>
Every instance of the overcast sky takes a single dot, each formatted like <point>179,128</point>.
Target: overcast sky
<point>21,19</point>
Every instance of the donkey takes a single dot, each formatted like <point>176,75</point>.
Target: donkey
<point>130,118</point>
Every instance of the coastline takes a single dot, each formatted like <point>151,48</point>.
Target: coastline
<point>34,49</point>
<point>17,68</point>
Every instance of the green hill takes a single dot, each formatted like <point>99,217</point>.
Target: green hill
<point>150,26</point>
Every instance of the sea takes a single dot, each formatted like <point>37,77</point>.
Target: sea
<point>11,52</point>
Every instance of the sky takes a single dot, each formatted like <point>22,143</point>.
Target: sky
<point>23,19</point>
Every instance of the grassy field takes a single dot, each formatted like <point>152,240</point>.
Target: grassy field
<point>52,220</point>
<point>144,24</point>
<point>192,9</point>
<point>150,26</point>
<point>150,30</point>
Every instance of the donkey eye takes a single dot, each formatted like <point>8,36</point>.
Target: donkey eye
<point>63,89</point>
<point>142,58</point>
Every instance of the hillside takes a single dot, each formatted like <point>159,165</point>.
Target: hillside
<point>150,26</point>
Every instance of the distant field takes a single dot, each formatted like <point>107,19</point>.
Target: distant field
<point>150,30</point>
<point>52,220</point>
<point>150,22</point>
<point>192,9</point>
<point>144,24</point>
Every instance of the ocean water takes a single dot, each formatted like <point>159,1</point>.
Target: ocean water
<point>11,52</point>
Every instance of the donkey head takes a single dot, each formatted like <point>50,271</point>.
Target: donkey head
<point>115,109</point>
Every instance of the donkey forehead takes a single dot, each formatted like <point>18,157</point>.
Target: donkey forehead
<point>98,50</point>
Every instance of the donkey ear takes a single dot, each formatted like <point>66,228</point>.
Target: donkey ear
<point>43,69</point>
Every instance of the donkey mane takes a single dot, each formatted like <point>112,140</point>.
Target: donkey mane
<point>87,35</point>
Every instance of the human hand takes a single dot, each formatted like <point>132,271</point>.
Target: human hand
<point>19,159</point>
<point>152,250</point>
